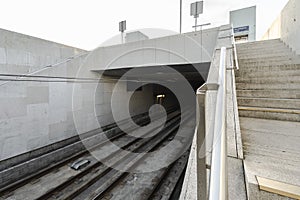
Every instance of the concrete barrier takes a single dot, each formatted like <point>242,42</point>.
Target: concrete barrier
<point>287,26</point>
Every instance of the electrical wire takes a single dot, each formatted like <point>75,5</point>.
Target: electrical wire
<point>77,81</point>
<point>39,78</point>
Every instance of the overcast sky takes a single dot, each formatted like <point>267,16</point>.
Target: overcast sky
<point>88,23</point>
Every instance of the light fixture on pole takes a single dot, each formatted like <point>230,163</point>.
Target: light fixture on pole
<point>122,28</point>
<point>196,10</point>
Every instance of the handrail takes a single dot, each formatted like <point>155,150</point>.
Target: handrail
<point>234,50</point>
<point>213,124</point>
<point>218,173</point>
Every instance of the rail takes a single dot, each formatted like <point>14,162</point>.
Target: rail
<point>217,188</point>
<point>236,62</point>
<point>218,172</point>
<point>210,132</point>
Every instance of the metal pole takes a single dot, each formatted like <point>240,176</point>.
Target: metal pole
<point>122,37</point>
<point>180,28</point>
<point>201,43</point>
<point>195,24</point>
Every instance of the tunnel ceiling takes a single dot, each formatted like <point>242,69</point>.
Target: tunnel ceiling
<point>191,72</point>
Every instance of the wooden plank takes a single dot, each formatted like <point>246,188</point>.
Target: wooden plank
<point>280,188</point>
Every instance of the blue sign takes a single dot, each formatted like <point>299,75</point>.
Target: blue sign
<point>241,29</point>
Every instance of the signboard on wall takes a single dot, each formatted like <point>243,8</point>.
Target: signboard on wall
<point>122,26</point>
<point>241,29</point>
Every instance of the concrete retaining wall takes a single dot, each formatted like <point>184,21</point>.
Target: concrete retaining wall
<point>40,111</point>
<point>185,48</point>
<point>29,164</point>
<point>287,26</point>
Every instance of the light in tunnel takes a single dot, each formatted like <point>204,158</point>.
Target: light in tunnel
<point>160,96</point>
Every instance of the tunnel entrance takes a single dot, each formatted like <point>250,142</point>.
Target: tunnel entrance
<point>158,82</point>
<point>196,73</point>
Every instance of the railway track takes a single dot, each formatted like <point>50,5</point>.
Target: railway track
<point>101,179</point>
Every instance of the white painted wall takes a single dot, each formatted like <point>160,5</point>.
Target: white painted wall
<point>245,17</point>
<point>287,26</point>
<point>35,114</point>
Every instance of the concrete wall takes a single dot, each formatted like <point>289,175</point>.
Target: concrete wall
<point>287,26</point>
<point>24,54</point>
<point>40,111</point>
<point>274,32</point>
<point>135,36</point>
<point>175,49</point>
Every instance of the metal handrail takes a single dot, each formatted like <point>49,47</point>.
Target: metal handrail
<point>234,50</point>
<point>218,173</point>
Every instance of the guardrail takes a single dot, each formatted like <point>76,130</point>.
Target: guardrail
<point>211,112</point>
<point>236,63</point>
<point>218,172</point>
<point>217,189</point>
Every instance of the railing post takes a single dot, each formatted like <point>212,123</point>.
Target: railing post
<point>236,62</point>
<point>202,186</point>
<point>201,147</point>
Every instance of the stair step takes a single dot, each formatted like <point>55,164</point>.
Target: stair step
<point>260,44</point>
<point>260,52</point>
<point>266,59</point>
<point>289,156</point>
<point>277,187</point>
<point>269,103</point>
<point>257,54</point>
<point>269,86</point>
<point>275,47</point>
<point>283,49</point>
<point>270,113</point>
<point>285,94</point>
<point>270,73</point>
<point>272,41</point>
<point>271,110</point>
<point>271,62</point>
<point>278,47</point>
<point>265,80</point>
<point>268,68</point>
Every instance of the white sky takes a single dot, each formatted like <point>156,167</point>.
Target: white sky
<point>87,23</point>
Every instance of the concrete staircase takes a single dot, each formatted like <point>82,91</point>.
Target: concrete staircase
<point>268,93</point>
<point>268,83</point>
